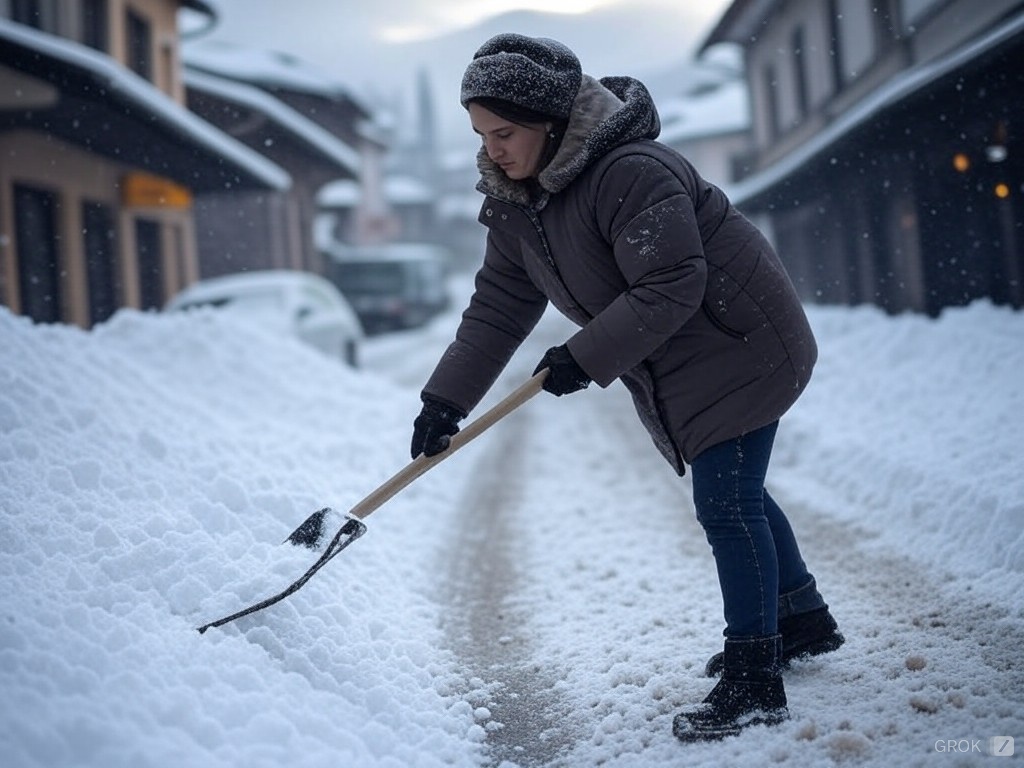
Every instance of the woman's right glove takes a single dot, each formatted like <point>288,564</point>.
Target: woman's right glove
<point>432,430</point>
<point>564,374</point>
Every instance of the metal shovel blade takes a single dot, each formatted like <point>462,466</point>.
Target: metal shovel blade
<point>307,534</point>
<point>311,532</point>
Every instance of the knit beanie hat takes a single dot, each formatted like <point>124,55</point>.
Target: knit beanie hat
<point>536,73</point>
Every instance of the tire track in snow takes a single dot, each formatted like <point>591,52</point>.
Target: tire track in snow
<point>487,629</point>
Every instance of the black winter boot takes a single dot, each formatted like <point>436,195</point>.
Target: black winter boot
<point>803,634</point>
<point>749,693</point>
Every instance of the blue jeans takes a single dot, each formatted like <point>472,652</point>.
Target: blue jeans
<point>756,554</point>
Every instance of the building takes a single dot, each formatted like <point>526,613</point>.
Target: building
<point>708,122</point>
<point>338,140</point>
<point>100,161</point>
<point>257,229</point>
<point>886,158</point>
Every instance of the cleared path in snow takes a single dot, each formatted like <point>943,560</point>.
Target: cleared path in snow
<point>588,564</point>
<point>488,626</point>
<point>583,594</point>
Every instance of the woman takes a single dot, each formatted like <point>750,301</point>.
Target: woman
<point>678,296</point>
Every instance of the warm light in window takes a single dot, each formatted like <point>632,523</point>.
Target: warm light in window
<point>961,162</point>
<point>1002,191</point>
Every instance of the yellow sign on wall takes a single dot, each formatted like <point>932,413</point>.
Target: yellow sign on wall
<point>141,190</point>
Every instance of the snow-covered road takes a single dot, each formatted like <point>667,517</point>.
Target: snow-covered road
<point>543,598</point>
<point>584,593</point>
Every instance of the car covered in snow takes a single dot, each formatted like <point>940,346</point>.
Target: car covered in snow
<point>299,303</point>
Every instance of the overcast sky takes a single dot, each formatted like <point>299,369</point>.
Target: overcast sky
<point>376,47</point>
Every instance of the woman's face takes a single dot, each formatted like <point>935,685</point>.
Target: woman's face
<point>514,147</point>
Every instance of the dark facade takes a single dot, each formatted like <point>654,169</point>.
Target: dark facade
<point>902,187</point>
<point>264,230</point>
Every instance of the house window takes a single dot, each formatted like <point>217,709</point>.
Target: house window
<point>915,10</point>
<point>95,24</point>
<point>771,95</point>
<point>40,14</point>
<point>27,12</point>
<point>100,260</point>
<point>854,39</point>
<point>151,263</point>
<point>38,254</point>
<point>140,45</point>
<point>800,72</point>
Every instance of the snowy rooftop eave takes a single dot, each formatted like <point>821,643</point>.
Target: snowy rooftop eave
<point>258,100</point>
<point>891,93</point>
<point>721,111</point>
<point>739,23</point>
<point>267,69</point>
<point>398,190</point>
<point>109,110</point>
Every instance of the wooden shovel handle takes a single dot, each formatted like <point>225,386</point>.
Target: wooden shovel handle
<point>422,463</point>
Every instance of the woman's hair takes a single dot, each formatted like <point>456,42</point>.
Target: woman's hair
<point>525,116</point>
<point>514,113</point>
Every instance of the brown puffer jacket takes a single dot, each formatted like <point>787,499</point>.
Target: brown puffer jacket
<point>676,293</point>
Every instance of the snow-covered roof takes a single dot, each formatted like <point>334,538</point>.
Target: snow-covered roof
<point>150,103</point>
<point>343,193</point>
<point>723,109</point>
<point>263,67</point>
<point>276,69</point>
<point>407,190</point>
<point>288,118</point>
<point>739,22</point>
<point>398,190</point>
<point>899,87</point>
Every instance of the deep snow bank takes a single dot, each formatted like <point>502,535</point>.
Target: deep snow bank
<point>912,427</point>
<point>148,472</point>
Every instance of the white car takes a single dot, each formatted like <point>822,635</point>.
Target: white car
<point>300,303</point>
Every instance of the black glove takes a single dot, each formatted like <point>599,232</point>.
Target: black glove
<point>433,428</point>
<point>564,374</point>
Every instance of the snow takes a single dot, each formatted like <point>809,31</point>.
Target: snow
<point>544,597</point>
<point>148,100</point>
<point>721,109</point>
<point>258,65</point>
<point>260,101</point>
<point>398,190</point>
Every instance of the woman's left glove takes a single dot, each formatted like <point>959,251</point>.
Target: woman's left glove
<point>564,373</point>
<point>432,430</point>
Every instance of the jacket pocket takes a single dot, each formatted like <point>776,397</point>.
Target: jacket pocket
<point>721,325</point>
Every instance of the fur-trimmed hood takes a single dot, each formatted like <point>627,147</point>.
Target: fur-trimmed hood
<point>605,114</point>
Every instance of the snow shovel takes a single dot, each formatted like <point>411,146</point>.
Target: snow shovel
<point>311,532</point>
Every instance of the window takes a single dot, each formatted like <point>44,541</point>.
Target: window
<point>854,39</point>
<point>915,10</point>
<point>140,45</point>
<point>150,260</point>
<point>40,14</point>
<point>94,24</point>
<point>800,72</point>
<point>35,227</point>
<point>27,12</point>
<point>771,95</point>
<point>100,260</point>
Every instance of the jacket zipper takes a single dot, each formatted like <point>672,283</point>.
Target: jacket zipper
<point>534,219</point>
